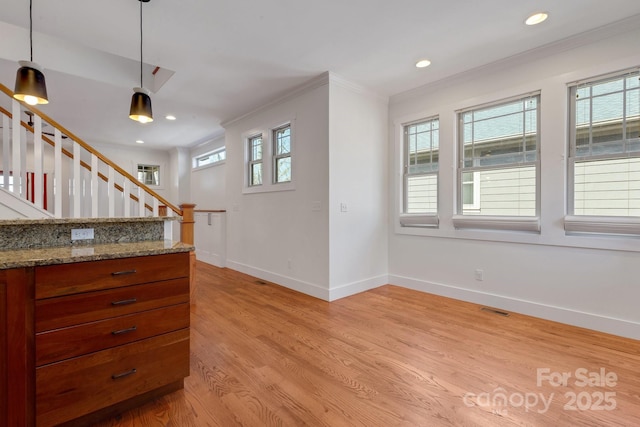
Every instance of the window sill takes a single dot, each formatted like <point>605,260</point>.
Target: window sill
<point>510,223</point>
<point>419,220</point>
<point>602,224</point>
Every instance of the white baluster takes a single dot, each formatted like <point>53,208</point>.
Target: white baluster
<point>126,198</point>
<point>156,207</point>
<point>23,163</point>
<point>76,179</point>
<point>57,173</point>
<point>6,152</point>
<point>111,192</point>
<point>15,162</point>
<point>94,186</point>
<point>38,188</point>
<point>141,201</point>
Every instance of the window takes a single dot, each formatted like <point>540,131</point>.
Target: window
<point>470,191</point>
<point>269,158</point>
<point>210,158</point>
<point>604,152</point>
<point>499,165</point>
<point>282,154</point>
<point>9,185</point>
<point>149,175</point>
<point>255,160</point>
<point>421,149</point>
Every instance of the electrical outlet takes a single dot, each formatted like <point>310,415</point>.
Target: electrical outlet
<point>479,273</point>
<point>81,233</point>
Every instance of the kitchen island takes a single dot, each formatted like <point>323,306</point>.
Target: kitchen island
<point>90,330</point>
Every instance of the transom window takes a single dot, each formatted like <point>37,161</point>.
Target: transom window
<point>211,158</point>
<point>604,152</point>
<point>421,154</point>
<point>282,154</point>
<point>499,162</point>
<point>255,160</point>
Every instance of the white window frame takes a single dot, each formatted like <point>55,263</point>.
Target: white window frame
<point>196,159</point>
<point>268,158</point>
<point>277,156</point>
<point>594,224</point>
<point>418,219</point>
<point>148,165</point>
<point>496,222</point>
<point>251,161</point>
<point>475,182</point>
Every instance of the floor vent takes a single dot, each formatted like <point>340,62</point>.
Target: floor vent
<point>494,311</point>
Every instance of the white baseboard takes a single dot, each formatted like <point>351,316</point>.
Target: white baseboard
<point>310,288</point>
<point>596,322</point>
<point>288,282</point>
<point>357,287</point>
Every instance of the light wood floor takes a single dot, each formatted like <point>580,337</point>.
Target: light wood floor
<point>263,355</point>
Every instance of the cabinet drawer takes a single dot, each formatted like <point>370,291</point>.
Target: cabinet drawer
<point>66,279</point>
<point>79,386</point>
<point>54,313</point>
<point>65,343</point>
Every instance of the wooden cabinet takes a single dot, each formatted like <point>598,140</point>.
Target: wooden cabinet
<point>109,332</point>
<point>16,347</point>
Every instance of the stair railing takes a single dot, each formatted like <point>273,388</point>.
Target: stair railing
<point>91,174</point>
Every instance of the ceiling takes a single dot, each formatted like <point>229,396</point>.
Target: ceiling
<point>231,57</point>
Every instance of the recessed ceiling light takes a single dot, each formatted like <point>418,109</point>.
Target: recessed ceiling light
<point>536,18</point>
<point>139,141</point>
<point>170,117</point>
<point>423,63</point>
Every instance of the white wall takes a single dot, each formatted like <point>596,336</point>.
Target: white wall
<point>358,183</point>
<point>283,236</point>
<point>128,159</point>
<point>208,184</point>
<point>301,238</point>
<point>580,280</point>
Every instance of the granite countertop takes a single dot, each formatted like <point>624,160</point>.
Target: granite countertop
<point>86,221</point>
<point>19,258</point>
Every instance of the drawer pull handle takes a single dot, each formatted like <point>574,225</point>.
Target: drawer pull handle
<point>123,273</point>
<point>125,331</point>
<point>125,301</point>
<point>124,374</point>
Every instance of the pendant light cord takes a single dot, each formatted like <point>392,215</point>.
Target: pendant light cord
<point>31,29</point>
<point>141,44</point>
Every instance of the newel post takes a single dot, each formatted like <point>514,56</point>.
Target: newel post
<point>186,236</point>
<point>186,225</point>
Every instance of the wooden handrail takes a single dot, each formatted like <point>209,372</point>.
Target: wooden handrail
<point>90,149</point>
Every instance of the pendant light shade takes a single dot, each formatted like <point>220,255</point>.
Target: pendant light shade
<point>141,106</point>
<point>30,85</point>
<point>140,110</point>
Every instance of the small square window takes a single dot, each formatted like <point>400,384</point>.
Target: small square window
<point>149,175</point>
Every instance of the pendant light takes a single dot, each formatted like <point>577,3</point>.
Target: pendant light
<point>30,86</point>
<point>140,110</point>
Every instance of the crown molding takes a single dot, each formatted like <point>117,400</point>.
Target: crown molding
<point>314,83</point>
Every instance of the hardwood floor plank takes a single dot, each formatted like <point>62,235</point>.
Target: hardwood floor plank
<point>263,355</point>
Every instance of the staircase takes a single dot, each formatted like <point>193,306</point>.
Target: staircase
<point>55,174</point>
